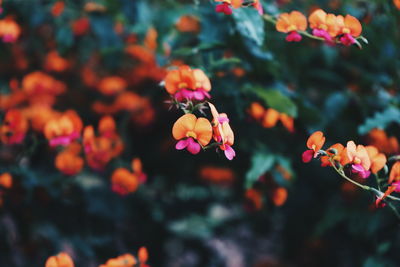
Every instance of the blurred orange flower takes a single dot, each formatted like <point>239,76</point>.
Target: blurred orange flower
<point>13,128</point>
<point>379,139</point>
<point>54,62</point>
<point>6,180</point>
<point>188,23</point>
<point>126,260</point>
<point>124,182</point>
<point>60,260</point>
<point>111,85</point>
<point>217,175</point>
<point>58,8</point>
<point>254,199</point>
<point>63,130</point>
<point>69,162</point>
<point>269,117</point>
<point>279,196</point>
<point>9,30</point>
<point>314,143</point>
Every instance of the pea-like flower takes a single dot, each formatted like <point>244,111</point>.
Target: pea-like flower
<point>291,23</point>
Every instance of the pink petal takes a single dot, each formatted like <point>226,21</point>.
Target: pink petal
<point>229,152</point>
<point>293,37</point>
<point>198,95</point>
<point>307,155</point>
<point>397,184</point>
<point>347,39</point>
<point>193,147</point>
<point>182,144</point>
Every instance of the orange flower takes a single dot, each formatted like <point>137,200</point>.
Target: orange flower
<point>192,132</point>
<point>358,157</point>
<point>224,7</point>
<point>350,27</point>
<point>39,115</point>
<point>126,260</point>
<point>68,161</point>
<point>80,26</point>
<point>314,143</point>
<point>279,196</point>
<point>94,7</point>
<point>397,3</point>
<point>186,83</point>
<point>137,169</point>
<point>394,175</point>
<point>188,23</point>
<point>124,182</point>
<point>14,127</point>
<point>222,132</point>
<point>112,85</point>
<point>324,25</point>
<point>55,63</point>
<point>58,8</point>
<point>379,139</point>
<point>253,199</point>
<point>340,156</point>
<point>6,180</point>
<point>63,130</point>
<point>9,30</point>
<point>41,88</point>
<point>270,119</point>
<point>100,150</point>
<point>291,24</point>
<point>378,160</point>
<point>150,40</point>
<point>143,255</point>
<point>60,260</point>
<point>218,175</point>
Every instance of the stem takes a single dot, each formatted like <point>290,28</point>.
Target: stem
<point>365,187</point>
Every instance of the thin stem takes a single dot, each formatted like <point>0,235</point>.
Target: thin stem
<point>365,187</point>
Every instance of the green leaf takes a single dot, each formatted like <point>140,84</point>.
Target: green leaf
<point>250,24</point>
<point>261,162</point>
<point>278,101</point>
<point>380,120</point>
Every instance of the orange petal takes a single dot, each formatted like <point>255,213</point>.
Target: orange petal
<point>353,24</point>
<point>203,131</point>
<point>184,124</point>
<point>270,118</point>
<point>378,162</point>
<point>299,20</point>
<point>317,140</point>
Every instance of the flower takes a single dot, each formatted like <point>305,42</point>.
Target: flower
<point>99,150</point>
<point>54,62</point>
<point>112,85</point>
<point>279,196</point>
<point>314,143</point>
<point>6,180</point>
<point>291,24</point>
<point>394,175</point>
<point>350,27</point>
<point>225,6</point>
<point>324,25</point>
<point>378,160</point>
<point>125,260</point>
<point>396,3</point>
<point>124,182</point>
<point>68,161</point>
<point>217,175</point>
<point>14,127</point>
<point>143,255</point>
<point>192,133</point>
<point>358,156</point>
<point>137,169</point>
<point>188,23</point>
<point>379,139</point>
<point>186,83</point>
<point>63,130</point>
<point>222,132</point>
<point>340,156</point>
<point>9,30</point>
<point>269,117</point>
<point>254,200</point>
<point>60,260</point>
<point>58,8</point>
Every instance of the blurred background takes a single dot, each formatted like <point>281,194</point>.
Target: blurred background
<point>265,207</point>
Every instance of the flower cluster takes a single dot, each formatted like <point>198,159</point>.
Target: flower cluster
<point>63,259</point>
<point>354,162</point>
<point>329,27</point>
<point>269,117</point>
<point>189,91</point>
